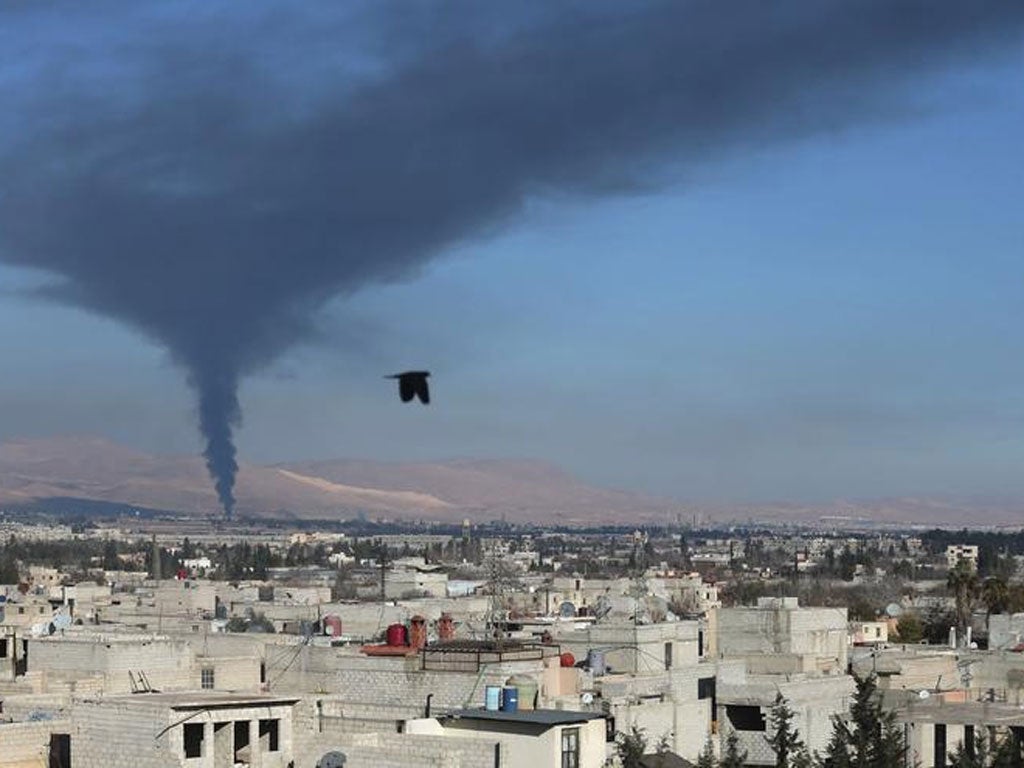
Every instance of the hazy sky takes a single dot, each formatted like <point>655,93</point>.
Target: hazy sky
<point>833,306</point>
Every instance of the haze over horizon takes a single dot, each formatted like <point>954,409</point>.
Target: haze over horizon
<point>814,289</point>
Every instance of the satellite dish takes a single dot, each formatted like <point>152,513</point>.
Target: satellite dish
<point>923,695</point>
<point>332,760</point>
<point>587,698</point>
<point>893,610</point>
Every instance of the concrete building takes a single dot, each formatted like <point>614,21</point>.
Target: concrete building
<point>780,637</point>
<point>636,648</point>
<point>186,730</point>
<point>124,663</point>
<point>650,676</point>
<point>781,648</point>
<point>543,738</point>
<point>869,632</point>
<point>935,727</point>
<point>1005,631</point>
<point>962,553</point>
<point>416,582</point>
<point>35,743</point>
<point>745,701</point>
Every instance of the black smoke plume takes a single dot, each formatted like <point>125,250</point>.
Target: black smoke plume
<point>212,174</point>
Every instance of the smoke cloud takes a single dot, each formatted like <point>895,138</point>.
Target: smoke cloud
<point>213,179</point>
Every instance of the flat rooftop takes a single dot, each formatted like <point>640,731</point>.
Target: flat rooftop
<point>962,713</point>
<point>545,717</point>
<point>201,699</point>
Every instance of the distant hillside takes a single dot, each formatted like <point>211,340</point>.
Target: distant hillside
<point>66,474</point>
<point>91,468</point>
<point>518,489</point>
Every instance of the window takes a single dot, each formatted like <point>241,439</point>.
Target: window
<point>668,656</point>
<point>570,748</point>
<point>940,745</point>
<point>270,735</point>
<point>745,718</point>
<point>705,688</point>
<point>206,678</point>
<point>241,739</point>
<point>60,750</point>
<point>193,734</point>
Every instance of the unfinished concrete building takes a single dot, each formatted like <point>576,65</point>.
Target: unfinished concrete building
<point>190,730</point>
<point>781,648</point>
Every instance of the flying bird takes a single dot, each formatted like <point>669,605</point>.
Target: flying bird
<point>412,384</point>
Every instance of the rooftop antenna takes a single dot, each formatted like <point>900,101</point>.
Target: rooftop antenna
<point>639,583</point>
<point>497,619</point>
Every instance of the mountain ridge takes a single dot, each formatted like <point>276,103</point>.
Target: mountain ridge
<point>94,469</point>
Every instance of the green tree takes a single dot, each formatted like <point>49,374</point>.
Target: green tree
<point>110,562</point>
<point>706,758</point>
<point>910,628</point>
<point>861,609</point>
<point>962,582</point>
<point>9,573</point>
<point>630,747</point>
<point>966,757</point>
<point>1004,753</point>
<point>936,625</point>
<point>785,740</point>
<point>733,757</point>
<point>869,737</point>
<point>995,593</point>
<point>837,753</point>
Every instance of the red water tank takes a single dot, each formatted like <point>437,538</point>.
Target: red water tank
<point>397,635</point>
<point>445,627</point>
<point>332,625</point>
<point>567,660</point>
<point>418,632</point>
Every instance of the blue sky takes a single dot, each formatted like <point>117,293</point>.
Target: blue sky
<point>835,316</point>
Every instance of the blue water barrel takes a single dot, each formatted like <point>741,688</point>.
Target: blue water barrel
<point>492,698</point>
<point>509,699</point>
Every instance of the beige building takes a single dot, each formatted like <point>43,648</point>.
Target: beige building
<point>125,663</point>
<point>962,553</point>
<point>780,637</point>
<point>182,730</point>
<point>542,738</point>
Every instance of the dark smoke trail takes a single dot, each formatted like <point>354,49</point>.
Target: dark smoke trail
<point>219,415</point>
<point>213,179</point>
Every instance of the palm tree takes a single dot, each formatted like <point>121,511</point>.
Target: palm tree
<point>963,583</point>
<point>995,593</point>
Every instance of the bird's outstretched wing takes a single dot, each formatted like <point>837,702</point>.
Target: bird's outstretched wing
<point>407,388</point>
<point>422,390</point>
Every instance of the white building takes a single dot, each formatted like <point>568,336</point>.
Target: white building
<point>962,553</point>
